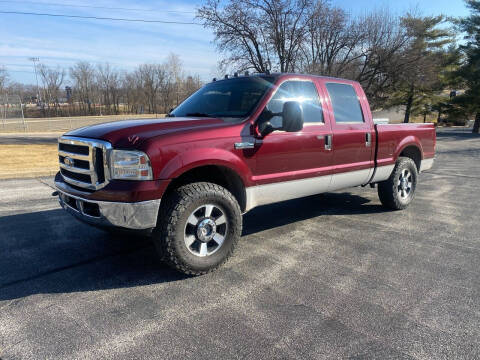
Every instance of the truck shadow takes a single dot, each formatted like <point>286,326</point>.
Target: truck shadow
<point>50,252</point>
<point>287,212</point>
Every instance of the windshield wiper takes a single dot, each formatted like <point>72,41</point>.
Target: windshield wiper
<point>198,114</point>
<point>228,116</point>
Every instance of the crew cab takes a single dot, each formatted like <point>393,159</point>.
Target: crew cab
<point>235,144</point>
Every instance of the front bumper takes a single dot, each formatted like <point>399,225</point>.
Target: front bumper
<point>135,216</point>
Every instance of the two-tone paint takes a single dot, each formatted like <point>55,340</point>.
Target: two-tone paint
<point>321,157</point>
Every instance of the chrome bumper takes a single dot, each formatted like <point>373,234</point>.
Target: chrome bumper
<point>135,216</point>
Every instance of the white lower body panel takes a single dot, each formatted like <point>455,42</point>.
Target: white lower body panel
<point>287,190</point>
<point>382,173</point>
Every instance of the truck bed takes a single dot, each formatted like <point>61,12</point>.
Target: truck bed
<point>392,140</point>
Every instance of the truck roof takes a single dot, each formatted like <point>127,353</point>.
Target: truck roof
<point>277,75</point>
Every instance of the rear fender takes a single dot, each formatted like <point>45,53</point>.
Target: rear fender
<point>410,140</point>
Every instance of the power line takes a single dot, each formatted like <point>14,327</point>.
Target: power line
<point>24,65</point>
<point>93,7</point>
<point>98,18</point>
<point>20,71</point>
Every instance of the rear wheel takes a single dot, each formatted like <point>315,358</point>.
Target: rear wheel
<point>399,190</point>
<point>198,228</point>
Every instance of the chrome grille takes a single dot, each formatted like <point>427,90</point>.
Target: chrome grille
<point>84,162</point>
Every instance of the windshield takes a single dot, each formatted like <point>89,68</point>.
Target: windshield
<point>233,98</point>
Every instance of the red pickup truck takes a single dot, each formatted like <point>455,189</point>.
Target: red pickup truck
<point>235,144</point>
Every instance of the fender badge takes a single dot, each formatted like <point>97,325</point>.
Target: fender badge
<point>133,139</point>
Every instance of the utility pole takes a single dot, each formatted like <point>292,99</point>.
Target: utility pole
<point>35,60</point>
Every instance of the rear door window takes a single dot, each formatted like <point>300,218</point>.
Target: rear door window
<point>345,103</point>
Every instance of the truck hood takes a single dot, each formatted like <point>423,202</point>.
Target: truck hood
<point>131,133</point>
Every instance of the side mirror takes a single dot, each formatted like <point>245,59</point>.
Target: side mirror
<point>292,119</point>
<point>292,116</point>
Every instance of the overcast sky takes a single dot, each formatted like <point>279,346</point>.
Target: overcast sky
<point>63,41</point>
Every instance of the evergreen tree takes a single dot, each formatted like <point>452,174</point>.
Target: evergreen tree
<point>470,71</point>
<point>418,88</point>
<point>449,81</point>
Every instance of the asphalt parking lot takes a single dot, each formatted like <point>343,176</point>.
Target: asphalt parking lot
<point>329,276</point>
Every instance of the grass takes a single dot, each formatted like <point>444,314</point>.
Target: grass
<point>28,160</point>
<point>64,123</point>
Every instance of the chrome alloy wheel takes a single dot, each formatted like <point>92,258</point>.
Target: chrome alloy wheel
<point>205,230</point>
<point>404,186</point>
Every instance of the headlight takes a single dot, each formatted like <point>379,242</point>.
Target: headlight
<point>130,165</point>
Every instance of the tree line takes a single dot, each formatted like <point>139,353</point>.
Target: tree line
<point>425,65</point>
<point>104,90</point>
<point>409,61</point>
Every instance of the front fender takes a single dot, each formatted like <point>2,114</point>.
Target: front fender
<point>198,157</point>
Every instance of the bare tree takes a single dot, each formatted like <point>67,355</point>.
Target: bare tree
<point>102,89</point>
<point>313,37</point>
<point>83,75</point>
<point>190,85</point>
<point>379,59</point>
<point>174,72</point>
<point>152,79</point>
<point>52,80</point>
<point>131,86</point>
<point>168,89</point>
<point>257,34</point>
<point>3,79</point>
<point>27,93</point>
<point>330,40</point>
<point>284,24</point>
<point>368,48</point>
<point>238,34</point>
<point>108,82</point>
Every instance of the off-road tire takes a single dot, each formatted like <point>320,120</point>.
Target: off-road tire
<point>168,236</point>
<point>388,190</point>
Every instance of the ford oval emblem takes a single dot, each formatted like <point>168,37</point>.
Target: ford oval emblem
<point>68,161</point>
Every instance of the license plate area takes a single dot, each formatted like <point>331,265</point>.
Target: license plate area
<point>81,206</point>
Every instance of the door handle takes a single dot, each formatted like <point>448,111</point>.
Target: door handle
<point>328,142</point>
<point>368,139</point>
<point>244,145</point>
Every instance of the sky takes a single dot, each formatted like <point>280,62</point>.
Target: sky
<point>58,41</point>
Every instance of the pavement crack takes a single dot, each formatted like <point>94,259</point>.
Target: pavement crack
<point>11,303</point>
<point>45,183</point>
<point>12,346</point>
<point>452,175</point>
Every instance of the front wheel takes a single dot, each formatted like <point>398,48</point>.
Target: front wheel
<point>198,228</point>
<point>399,190</point>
